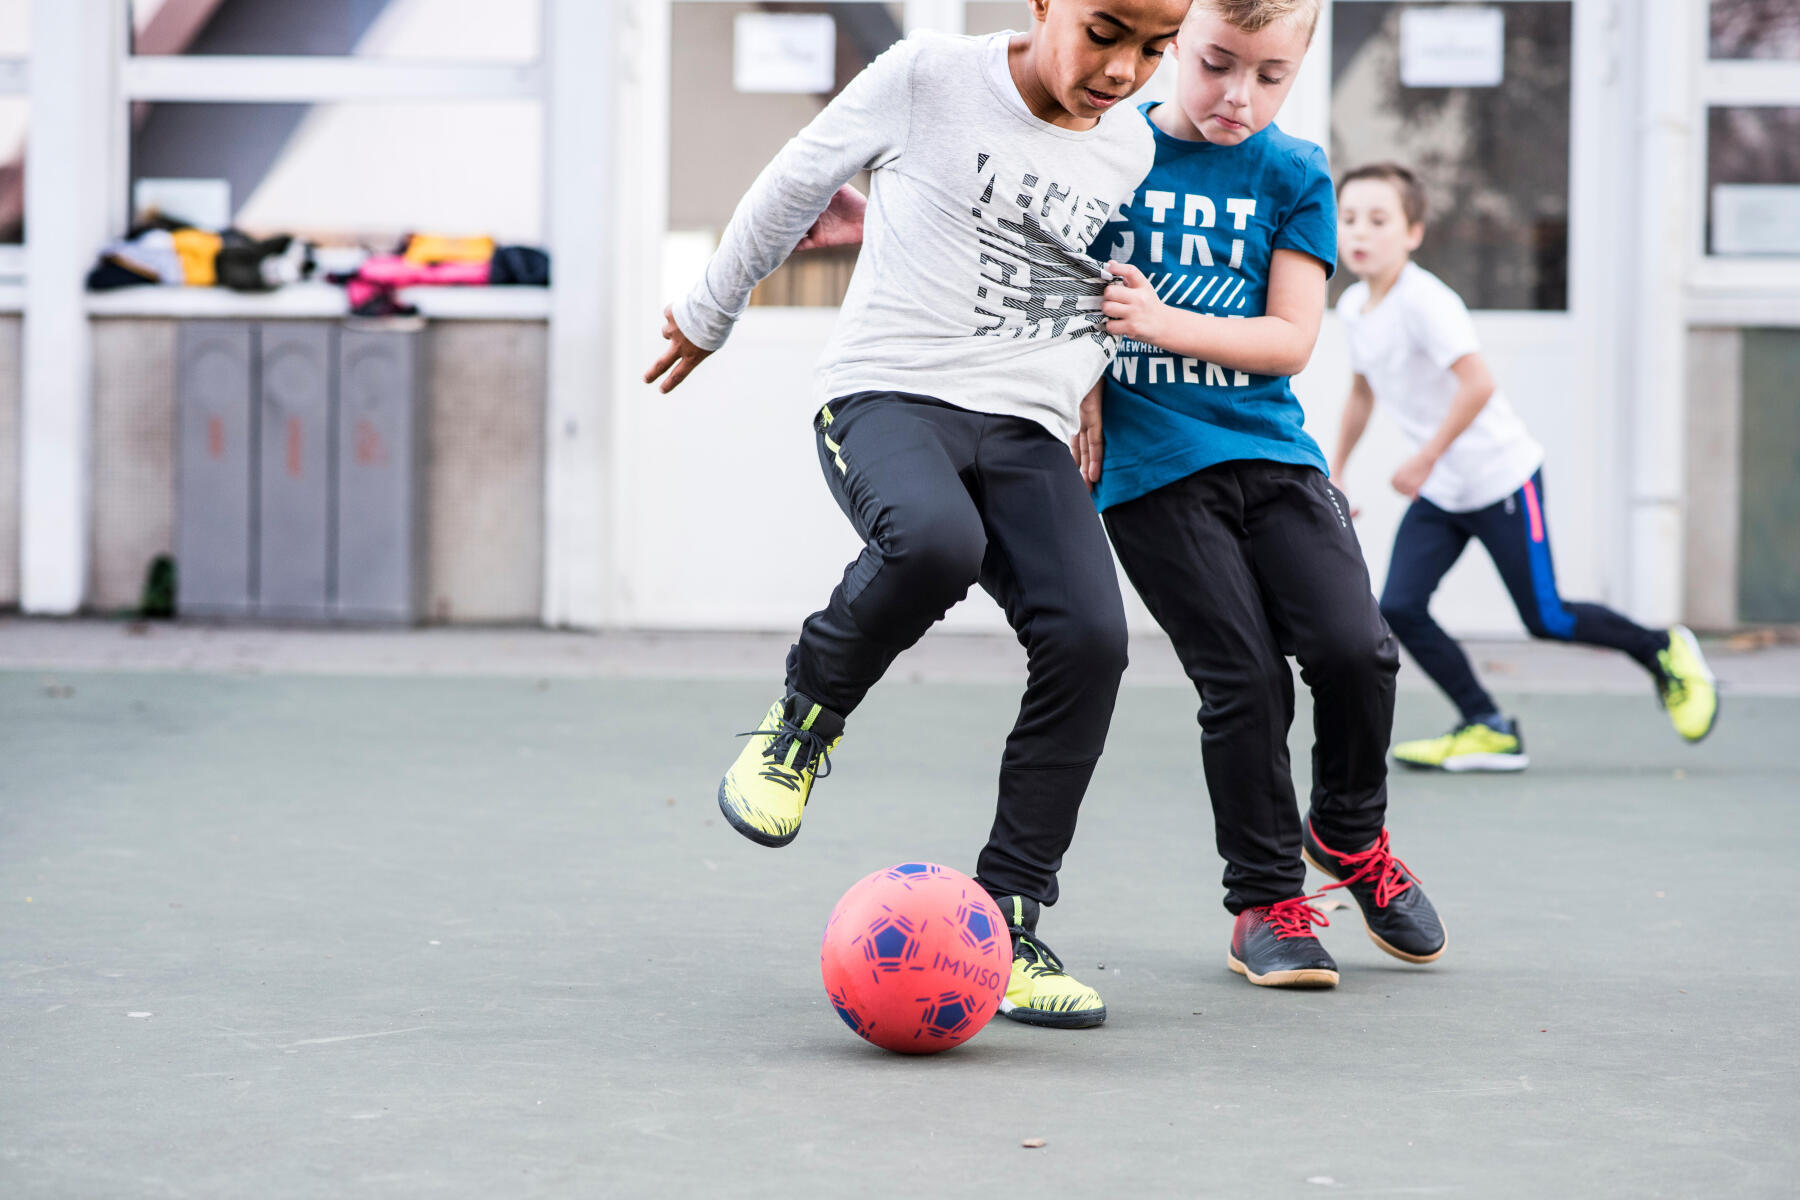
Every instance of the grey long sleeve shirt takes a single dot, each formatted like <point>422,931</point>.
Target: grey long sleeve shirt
<point>974,286</point>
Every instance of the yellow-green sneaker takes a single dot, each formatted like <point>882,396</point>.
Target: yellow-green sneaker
<point>1687,689</point>
<point>1476,746</point>
<point>1040,991</point>
<point>764,794</point>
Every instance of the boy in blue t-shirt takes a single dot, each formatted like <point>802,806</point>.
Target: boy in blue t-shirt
<point>1218,504</point>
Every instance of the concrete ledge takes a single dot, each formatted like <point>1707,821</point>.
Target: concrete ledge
<point>317,300</point>
<point>48,644</point>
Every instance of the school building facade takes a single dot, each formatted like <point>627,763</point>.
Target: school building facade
<point>1615,186</point>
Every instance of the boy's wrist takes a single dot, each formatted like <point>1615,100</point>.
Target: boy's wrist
<point>1167,327</point>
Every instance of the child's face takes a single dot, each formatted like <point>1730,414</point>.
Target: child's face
<point>1374,238</point>
<point>1232,83</point>
<point>1092,54</point>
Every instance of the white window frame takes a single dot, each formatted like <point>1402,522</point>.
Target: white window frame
<point>311,79</point>
<point>15,80</point>
<point>1736,289</point>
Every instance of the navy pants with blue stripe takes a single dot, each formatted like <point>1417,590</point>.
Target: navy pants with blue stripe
<point>1516,534</point>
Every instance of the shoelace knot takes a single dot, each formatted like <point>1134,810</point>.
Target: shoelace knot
<point>1377,863</point>
<point>815,752</point>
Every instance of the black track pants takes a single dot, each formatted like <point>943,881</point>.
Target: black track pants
<point>1242,564</point>
<point>946,498</point>
<point>1516,534</point>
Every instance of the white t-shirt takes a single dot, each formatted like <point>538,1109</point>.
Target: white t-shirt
<point>973,285</point>
<point>1404,347</point>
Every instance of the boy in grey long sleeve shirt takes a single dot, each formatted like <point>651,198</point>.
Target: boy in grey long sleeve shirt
<point>951,389</point>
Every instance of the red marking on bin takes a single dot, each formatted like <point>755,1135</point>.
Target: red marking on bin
<point>294,461</point>
<point>371,450</point>
<point>215,437</point>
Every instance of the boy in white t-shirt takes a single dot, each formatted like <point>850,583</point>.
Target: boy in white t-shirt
<point>1477,473</point>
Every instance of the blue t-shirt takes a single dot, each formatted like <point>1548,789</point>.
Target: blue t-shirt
<point>1203,228</point>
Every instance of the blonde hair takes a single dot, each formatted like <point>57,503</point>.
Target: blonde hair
<point>1252,16</point>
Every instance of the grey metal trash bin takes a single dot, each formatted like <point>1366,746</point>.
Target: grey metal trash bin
<point>216,467</point>
<point>301,471</point>
<point>294,483</point>
<point>380,477</point>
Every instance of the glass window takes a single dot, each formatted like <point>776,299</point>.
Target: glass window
<point>448,30</point>
<point>13,111</point>
<point>1494,159</point>
<point>361,172</point>
<point>1755,29</point>
<point>1753,181</point>
<point>721,137</point>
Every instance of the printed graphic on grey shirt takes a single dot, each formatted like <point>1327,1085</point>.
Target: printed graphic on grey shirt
<point>1034,283</point>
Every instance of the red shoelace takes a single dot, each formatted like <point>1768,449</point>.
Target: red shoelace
<point>1295,918</point>
<point>1391,876</point>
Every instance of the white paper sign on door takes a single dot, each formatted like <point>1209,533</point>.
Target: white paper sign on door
<point>1464,46</point>
<point>784,52</point>
<point>1756,218</point>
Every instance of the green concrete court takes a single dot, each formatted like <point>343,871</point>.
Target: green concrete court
<point>275,935</point>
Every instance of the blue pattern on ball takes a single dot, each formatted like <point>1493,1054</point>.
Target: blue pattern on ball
<point>890,942</point>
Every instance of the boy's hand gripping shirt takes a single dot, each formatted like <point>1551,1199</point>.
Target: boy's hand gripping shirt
<point>973,286</point>
<point>1204,228</point>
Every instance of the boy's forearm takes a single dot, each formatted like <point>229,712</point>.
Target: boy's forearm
<point>861,129</point>
<point>1465,406</point>
<point>769,221</point>
<point>1258,345</point>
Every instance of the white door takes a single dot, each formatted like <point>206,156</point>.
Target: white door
<point>1509,111</point>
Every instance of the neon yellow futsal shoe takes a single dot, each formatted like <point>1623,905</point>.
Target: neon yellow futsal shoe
<point>764,794</point>
<point>1688,692</point>
<point>1472,747</point>
<point>1041,992</point>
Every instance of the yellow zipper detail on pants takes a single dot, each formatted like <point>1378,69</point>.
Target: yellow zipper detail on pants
<point>824,424</point>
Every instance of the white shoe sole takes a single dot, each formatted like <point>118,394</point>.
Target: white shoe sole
<point>1467,763</point>
<point>1488,762</point>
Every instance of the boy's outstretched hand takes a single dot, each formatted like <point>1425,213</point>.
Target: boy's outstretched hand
<point>1131,306</point>
<point>680,354</point>
<point>1412,475</point>
<point>841,224</point>
<point>1088,447</point>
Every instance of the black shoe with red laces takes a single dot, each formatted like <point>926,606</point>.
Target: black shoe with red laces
<point>1400,918</point>
<point>1274,946</point>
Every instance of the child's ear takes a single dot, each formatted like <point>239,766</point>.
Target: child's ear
<point>1415,235</point>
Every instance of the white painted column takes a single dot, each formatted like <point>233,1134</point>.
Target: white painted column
<point>74,118</point>
<point>584,56</point>
<point>1665,234</point>
<point>944,16</point>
